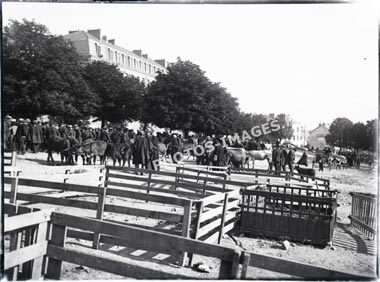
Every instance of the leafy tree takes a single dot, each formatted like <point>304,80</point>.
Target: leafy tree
<point>286,131</point>
<point>371,135</point>
<point>358,136</point>
<point>339,133</point>
<point>120,97</point>
<point>43,74</point>
<point>184,98</point>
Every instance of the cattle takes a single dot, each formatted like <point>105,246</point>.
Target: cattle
<point>91,150</point>
<point>260,155</point>
<point>305,171</point>
<point>237,157</point>
<point>60,145</point>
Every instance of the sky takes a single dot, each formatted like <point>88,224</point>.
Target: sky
<point>314,62</point>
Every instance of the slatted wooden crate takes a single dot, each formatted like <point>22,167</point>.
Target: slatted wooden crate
<point>364,213</point>
<point>299,214</point>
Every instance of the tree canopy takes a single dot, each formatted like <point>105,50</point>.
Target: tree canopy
<point>184,98</point>
<point>120,97</point>
<point>43,74</point>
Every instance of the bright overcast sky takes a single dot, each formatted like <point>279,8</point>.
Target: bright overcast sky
<point>314,62</point>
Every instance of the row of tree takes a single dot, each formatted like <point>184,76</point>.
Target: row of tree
<point>346,134</point>
<point>44,75</point>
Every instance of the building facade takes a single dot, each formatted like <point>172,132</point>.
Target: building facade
<point>300,135</point>
<point>317,136</point>
<point>91,45</point>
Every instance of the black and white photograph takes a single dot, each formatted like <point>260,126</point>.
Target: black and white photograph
<point>202,140</point>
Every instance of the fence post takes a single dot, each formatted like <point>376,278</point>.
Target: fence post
<point>37,270</point>
<point>58,237</point>
<point>230,269</point>
<point>102,191</point>
<point>185,229</point>
<point>149,182</point>
<point>246,260</point>
<point>14,189</point>
<point>223,219</point>
<point>197,226</point>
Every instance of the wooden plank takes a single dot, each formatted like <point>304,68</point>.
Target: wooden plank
<point>22,221</point>
<point>25,254</point>
<point>246,262</point>
<point>99,213</point>
<point>144,213</point>
<point>214,224</point>
<point>109,265</point>
<point>230,269</point>
<point>146,197</point>
<point>185,229</point>
<point>362,224</point>
<point>58,237</point>
<point>148,237</point>
<point>298,269</point>
<point>14,190</point>
<point>221,231</point>
<point>39,262</point>
<point>159,190</point>
<point>53,185</point>
<point>57,201</point>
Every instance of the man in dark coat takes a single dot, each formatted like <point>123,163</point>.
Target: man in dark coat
<point>140,151</point>
<point>283,158</point>
<point>103,136</point>
<point>277,158</point>
<point>22,135</point>
<point>319,159</point>
<point>35,132</point>
<point>6,126</point>
<point>290,159</point>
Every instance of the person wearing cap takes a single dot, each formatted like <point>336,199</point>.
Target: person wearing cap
<point>103,135</point>
<point>175,145</point>
<point>140,151</point>
<point>12,133</point>
<point>21,137</point>
<point>35,133</point>
<point>78,133</point>
<point>277,158</point>
<point>6,126</point>
<point>154,153</point>
<point>70,131</point>
<point>63,130</point>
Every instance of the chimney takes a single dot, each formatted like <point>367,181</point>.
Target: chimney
<point>112,41</point>
<point>94,32</point>
<point>145,56</point>
<point>137,52</point>
<point>104,38</point>
<point>161,62</point>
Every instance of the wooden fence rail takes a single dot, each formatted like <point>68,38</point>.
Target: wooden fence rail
<point>26,230</point>
<point>292,268</point>
<point>129,236</point>
<point>9,164</point>
<point>364,213</point>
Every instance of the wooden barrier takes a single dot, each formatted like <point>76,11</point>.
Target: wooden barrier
<point>364,213</point>
<point>9,162</point>
<point>292,268</point>
<point>261,176</point>
<point>128,236</point>
<point>26,229</point>
<point>298,213</point>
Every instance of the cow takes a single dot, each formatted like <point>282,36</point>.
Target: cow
<point>92,149</point>
<point>306,171</point>
<point>260,155</point>
<point>62,146</point>
<point>237,157</point>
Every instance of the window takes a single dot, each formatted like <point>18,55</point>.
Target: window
<point>110,55</point>
<point>116,58</point>
<point>150,69</point>
<point>122,59</point>
<point>144,67</point>
<point>140,67</point>
<point>129,61</point>
<point>135,63</point>
<point>96,49</point>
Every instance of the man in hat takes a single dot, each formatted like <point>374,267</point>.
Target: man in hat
<point>277,158</point>
<point>22,135</point>
<point>6,126</point>
<point>35,133</point>
<point>12,133</point>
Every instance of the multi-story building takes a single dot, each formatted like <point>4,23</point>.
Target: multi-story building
<point>300,134</point>
<point>317,136</point>
<point>95,47</point>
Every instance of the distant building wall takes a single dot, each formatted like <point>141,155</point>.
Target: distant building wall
<point>317,137</point>
<point>93,47</point>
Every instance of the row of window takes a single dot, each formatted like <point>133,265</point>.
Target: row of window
<point>127,61</point>
<point>298,137</point>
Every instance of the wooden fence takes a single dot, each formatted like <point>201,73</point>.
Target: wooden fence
<point>261,176</point>
<point>364,213</point>
<point>128,236</point>
<point>283,211</point>
<point>9,162</point>
<point>25,234</point>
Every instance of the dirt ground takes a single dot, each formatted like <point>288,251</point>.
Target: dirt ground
<point>350,252</point>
